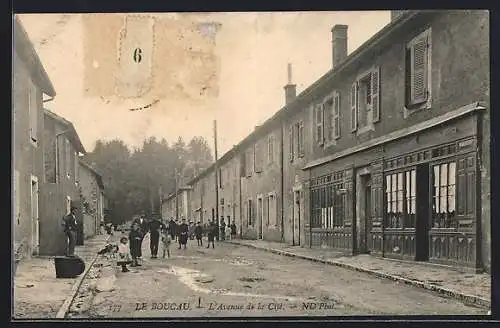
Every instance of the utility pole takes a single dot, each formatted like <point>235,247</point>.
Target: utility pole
<point>176,195</point>
<point>161,202</point>
<point>216,176</point>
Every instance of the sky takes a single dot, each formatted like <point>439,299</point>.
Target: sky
<point>246,60</point>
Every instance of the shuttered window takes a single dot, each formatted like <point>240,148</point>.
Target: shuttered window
<point>328,119</point>
<point>417,70</point>
<point>290,143</point>
<point>375,93</point>
<point>300,139</point>
<point>336,115</point>
<point>270,149</point>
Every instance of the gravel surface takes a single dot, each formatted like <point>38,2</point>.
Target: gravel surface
<point>237,281</point>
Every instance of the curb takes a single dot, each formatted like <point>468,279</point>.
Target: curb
<point>61,314</point>
<point>467,299</point>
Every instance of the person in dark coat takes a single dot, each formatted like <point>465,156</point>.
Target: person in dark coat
<point>183,234</point>
<point>154,231</point>
<point>212,229</point>
<point>70,226</point>
<point>198,231</point>
<point>135,242</point>
<point>222,229</point>
<point>172,228</point>
<point>233,230</point>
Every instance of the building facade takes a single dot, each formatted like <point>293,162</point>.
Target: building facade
<point>91,195</point>
<point>62,147</point>
<point>30,84</point>
<point>178,205</point>
<point>388,153</point>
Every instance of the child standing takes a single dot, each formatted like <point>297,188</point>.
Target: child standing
<point>135,237</point>
<point>198,231</point>
<point>166,240</point>
<point>124,255</point>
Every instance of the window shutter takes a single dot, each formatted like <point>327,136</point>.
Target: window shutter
<point>16,193</point>
<point>290,138</point>
<point>319,125</point>
<point>336,115</point>
<point>301,138</point>
<point>375,85</point>
<point>419,69</point>
<point>354,106</point>
<point>32,105</point>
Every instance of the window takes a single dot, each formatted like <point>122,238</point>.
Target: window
<point>400,189</point>
<point>328,119</point>
<point>290,143</point>
<point>328,204</point>
<point>270,149</point>
<point>318,118</point>
<point>221,186</point>
<point>336,115</point>
<point>33,112</point>
<point>443,206</point>
<point>365,100</point>
<point>299,128</point>
<point>67,153</point>
<point>417,70</point>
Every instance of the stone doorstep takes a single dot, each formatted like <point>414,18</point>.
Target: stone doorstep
<point>468,299</point>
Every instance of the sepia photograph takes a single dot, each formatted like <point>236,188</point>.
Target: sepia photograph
<point>250,164</point>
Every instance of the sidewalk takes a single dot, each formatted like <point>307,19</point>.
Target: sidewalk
<point>37,293</point>
<point>474,289</point>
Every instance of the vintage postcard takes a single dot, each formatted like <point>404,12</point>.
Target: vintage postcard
<point>251,164</point>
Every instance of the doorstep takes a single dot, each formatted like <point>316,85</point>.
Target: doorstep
<point>472,289</point>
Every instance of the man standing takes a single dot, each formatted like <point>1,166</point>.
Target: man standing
<point>154,231</point>
<point>143,228</point>
<point>183,234</point>
<point>222,229</point>
<point>70,224</point>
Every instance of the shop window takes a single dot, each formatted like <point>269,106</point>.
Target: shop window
<point>443,206</point>
<point>328,205</point>
<point>401,199</point>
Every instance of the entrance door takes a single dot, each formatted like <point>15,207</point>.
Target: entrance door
<point>35,237</point>
<point>296,218</point>
<point>368,215</point>
<point>260,216</point>
<point>422,215</point>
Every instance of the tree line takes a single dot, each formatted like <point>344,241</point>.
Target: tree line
<point>135,179</point>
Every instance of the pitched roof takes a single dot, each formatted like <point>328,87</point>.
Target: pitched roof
<point>24,48</point>
<point>93,170</point>
<point>75,139</point>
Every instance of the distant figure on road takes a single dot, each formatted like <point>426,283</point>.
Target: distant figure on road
<point>222,229</point>
<point>233,230</point>
<point>177,225</point>
<point>135,238</point>
<point>228,233</point>
<point>172,228</point>
<point>154,231</point>
<point>212,229</point>
<point>191,230</point>
<point>183,234</point>
<point>166,240</point>
<point>70,226</point>
<point>198,231</point>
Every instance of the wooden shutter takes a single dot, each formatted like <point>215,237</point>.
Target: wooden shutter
<point>419,70</point>
<point>290,146</point>
<point>16,193</point>
<point>354,106</point>
<point>336,115</point>
<point>319,125</point>
<point>301,138</point>
<point>33,111</point>
<point>375,86</point>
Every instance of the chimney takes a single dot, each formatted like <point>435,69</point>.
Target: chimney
<point>339,44</point>
<point>396,13</point>
<point>290,89</point>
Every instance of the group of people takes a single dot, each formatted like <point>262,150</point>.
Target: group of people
<point>130,249</point>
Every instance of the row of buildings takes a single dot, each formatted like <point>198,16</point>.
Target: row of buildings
<point>49,170</point>
<point>388,153</point>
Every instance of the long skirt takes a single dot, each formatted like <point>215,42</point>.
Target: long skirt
<point>211,237</point>
<point>135,248</point>
<point>183,238</point>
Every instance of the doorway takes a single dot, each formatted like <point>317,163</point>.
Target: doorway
<point>422,215</point>
<point>363,211</point>
<point>260,216</point>
<point>296,218</point>
<point>35,236</point>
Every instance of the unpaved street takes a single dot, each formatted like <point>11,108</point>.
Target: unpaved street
<point>237,281</point>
